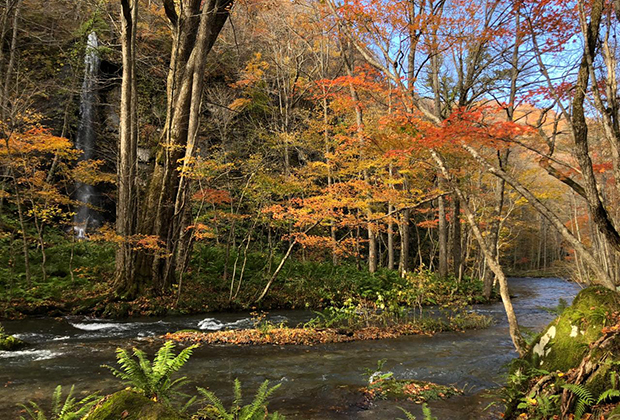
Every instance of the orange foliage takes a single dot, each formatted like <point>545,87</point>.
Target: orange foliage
<point>293,336</point>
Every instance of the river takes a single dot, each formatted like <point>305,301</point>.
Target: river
<point>318,382</point>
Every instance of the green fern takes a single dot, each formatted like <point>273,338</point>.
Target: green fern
<point>256,410</point>
<point>599,315</point>
<point>425,411</point>
<point>67,409</point>
<point>407,414</point>
<point>584,398</point>
<point>611,393</point>
<point>608,395</point>
<point>153,380</point>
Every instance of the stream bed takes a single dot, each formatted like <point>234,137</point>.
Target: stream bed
<point>319,382</point>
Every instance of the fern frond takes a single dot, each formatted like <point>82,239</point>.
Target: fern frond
<point>166,363</point>
<point>260,400</point>
<point>584,398</point>
<point>178,382</point>
<point>179,361</point>
<point>608,395</point>
<point>188,404</point>
<point>35,413</point>
<point>85,405</point>
<point>152,379</point>
<point>56,399</point>
<point>581,392</point>
<point>215,402</point>
<point>68,406</point>
<point>70,409</point>
<point>407,414</point>
<point>163,357</point>
<point>237,399</point>
<point>427,413</point>
<point>257,410</point>
<point>144,373</point>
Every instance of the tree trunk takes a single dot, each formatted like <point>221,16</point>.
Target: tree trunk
<point>443,239</point>
<point>403,264</point>
<point>373,254</point>
<point>20,213</point>
<point>359,121</point>
<point>390,229</point>
<point>8,74</point>
<point>167,202</point>
<point>456,237</point>
<point>515,333</point>
<point>126,206</point>
<point>500,188</point>
<point>599,213</point>
<point>390,240</point>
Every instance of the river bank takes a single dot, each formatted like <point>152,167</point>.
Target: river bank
<point>301,285</point>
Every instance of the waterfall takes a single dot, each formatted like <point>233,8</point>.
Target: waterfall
<point>86,137</point>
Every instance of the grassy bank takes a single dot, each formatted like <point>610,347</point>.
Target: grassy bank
<point>78,275</point>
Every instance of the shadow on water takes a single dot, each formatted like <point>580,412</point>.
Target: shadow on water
<point>318,382</point>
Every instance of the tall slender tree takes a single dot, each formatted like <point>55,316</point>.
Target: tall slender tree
<point>126,206</point>
<point>166,212</point>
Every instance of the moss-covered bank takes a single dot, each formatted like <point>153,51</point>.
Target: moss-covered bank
<point>565,341</point>
<point>572,363</point>
<point>129,405</point>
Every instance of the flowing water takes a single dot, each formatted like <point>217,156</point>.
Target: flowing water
<point>319,382</point>
<point>86,138</point>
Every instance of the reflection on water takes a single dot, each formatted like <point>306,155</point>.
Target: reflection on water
<point>317,382</point>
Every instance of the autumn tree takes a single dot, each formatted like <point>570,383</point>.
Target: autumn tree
<point>195,27</point>
<point>37,187</point>
<point>563,113</point>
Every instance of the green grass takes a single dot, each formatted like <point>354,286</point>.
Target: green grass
<point>74,270</point>
<point>320,284</point>
<point>300,284</point>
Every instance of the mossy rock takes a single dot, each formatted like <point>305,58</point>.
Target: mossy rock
<point>409,389</point>
<point>129,405</point>
<point>10,343</point>
<point>565,341</point>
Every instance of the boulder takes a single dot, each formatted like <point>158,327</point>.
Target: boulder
<point>581,347</point>
<point>129,405</point>
<point>564,343</point>
<point>10,343</point>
